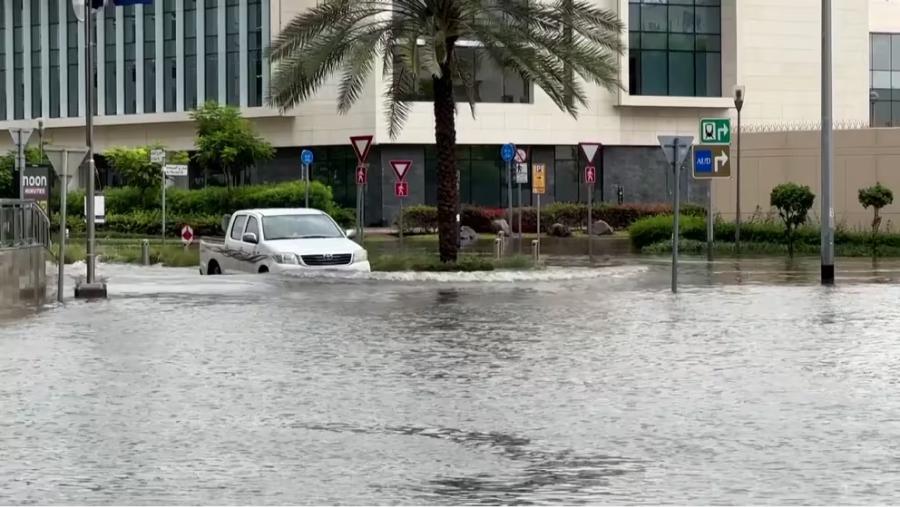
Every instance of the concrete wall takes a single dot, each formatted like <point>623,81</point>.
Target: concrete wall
<point>862,158</point>
<point>23,276</point>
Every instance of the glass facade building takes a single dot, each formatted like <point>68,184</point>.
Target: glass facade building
<point>884,79</point>
<point>169,56</point>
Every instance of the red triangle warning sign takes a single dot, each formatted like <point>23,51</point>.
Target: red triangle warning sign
<point>401,167</point>
<point>590,150</point>
<point>361,145</point>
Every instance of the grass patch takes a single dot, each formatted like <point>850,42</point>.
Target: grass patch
<point>172,254</point>
<point>725,249</point>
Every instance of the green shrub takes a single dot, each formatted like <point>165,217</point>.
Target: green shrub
<point>419,219</point>
<point>793,202</point>
<point>345,217</point>
<point>647,231</point>
<point>480,219</point>
<point>876,197</point>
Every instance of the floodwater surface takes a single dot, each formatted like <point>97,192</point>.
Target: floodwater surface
<point>571,385</point>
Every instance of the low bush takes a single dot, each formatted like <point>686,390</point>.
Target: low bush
<point>648,231</point>
<point>419,219</point>
<point>480,219</point>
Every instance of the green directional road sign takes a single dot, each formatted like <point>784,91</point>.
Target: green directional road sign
<point>715,131</point>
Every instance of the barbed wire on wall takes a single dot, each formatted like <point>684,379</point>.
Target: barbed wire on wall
<point>802,126</point>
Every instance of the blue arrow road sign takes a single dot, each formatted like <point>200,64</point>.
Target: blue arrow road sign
<point>508,152</point>
<point>703,161</point>
<point>306,157</point>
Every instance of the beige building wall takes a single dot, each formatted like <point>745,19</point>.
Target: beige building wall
<point>861,159</point>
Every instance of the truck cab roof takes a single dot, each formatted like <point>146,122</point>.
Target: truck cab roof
<point>270,212</point>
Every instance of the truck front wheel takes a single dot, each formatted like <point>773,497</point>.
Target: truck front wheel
<point>213,268</point>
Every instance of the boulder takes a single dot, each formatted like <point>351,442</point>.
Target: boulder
<point>601,228</point>
<point>467,236</point>
<point>560,230</point>
<point>501,226</point>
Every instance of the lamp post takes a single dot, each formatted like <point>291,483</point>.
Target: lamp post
<point>827,227</point>
<point>739,93</point>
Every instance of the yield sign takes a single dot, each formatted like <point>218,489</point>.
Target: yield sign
<point>361,145</point>
<point>401,167</point>
<point>676,148</point>
<point>589,150</point>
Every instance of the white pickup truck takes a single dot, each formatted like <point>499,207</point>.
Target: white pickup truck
<point>282,240</point>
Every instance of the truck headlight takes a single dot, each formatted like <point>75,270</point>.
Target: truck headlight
<point>286,258</point>
<point>361,256</point>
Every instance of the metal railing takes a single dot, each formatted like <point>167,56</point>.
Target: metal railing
<point>23,223</point>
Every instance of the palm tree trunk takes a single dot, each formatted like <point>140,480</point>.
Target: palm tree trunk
<point>445,139</point>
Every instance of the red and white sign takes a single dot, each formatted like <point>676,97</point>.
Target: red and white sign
<point>401,189</point>
<point>362,174</point>
<point>590,150</point>
<point>187,235</point>
<point>590,175</point>
<point>521,156</point>
<point>361,145</point>
<point>401,167</point>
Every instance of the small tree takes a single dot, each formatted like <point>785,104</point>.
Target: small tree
<point>135,167</point>
<point>793,202</point>
<point>877,196</point>
<point>226,142</point>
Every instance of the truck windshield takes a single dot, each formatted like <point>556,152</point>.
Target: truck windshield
<point>299,227</point>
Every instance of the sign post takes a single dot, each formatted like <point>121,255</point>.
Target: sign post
<point>20,138</point>
<point>401,188</point>
<point>59,159</point>
<point>361,146</point>
<point>711,162</point>
<point>590,179</point>
<point>158,156</point>
<point>676,149</point>
<point>306,159</point>
<point>538,188</point>
<point>507,153</point>
<point>521,177</point>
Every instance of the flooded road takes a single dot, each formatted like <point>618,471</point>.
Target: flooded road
<point>573,385</point>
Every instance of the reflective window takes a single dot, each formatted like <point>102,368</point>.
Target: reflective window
<point>254,56</point>
<point>72,71</point>
<point>170,65</point>
<point>211,30</point>
<point>232,53</point>
<point>675,47</point>
<point>36,73</point>
<point>237,229</point>
<point>884,80</point>
<point>53,25</point>
<point>491,81</point>
<point>109,60</point>
<point>149,59</point>
<point>252,226</point>
<point>190,54</point>
<point>130,59</point>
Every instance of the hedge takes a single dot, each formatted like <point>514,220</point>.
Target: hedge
<point>424,218</point>
<point>649,231</point>
<point>211,200</point>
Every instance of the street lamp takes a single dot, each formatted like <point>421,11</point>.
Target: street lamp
<point>827,228</point>
<point>739,93</point>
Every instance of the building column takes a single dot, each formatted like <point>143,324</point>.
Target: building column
<point>160,96</point>
<point>242,58</point>
<point>179,55</point>
<point>201,52</point>
<point>139,58</point>
<point>63,35</point>
<point>120,60</point>
<point>45,58</point>
<point>26,58</point>
<point>223,65</point>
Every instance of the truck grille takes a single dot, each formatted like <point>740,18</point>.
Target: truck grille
<point>327,259</point>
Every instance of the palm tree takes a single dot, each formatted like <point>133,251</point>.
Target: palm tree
<point>546,43</point>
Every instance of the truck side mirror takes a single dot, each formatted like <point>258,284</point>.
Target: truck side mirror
<point>350,233</point>
<point>249,237</point>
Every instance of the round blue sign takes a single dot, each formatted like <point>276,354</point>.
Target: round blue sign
<point>306,156</point>
<point>508,152</point>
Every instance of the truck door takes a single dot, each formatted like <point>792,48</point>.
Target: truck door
<point>250,251</point>
<point>231,256</point>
